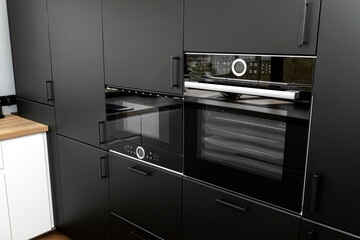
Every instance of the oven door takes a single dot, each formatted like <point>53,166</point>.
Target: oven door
<point>256,151</point>
<point>151,121</point>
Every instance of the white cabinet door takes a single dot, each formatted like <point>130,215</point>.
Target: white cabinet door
<point>28,186</point>
<point>4,212</point>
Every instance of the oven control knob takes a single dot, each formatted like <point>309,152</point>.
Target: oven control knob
<point>140,152</point>
<point>239,67</point>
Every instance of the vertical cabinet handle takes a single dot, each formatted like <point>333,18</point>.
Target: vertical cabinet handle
<point>301,42</point>
<point>103,168</point>
<point>173,77</point>
<point>49,91</point>
<point>314,193</point>
<point>233,206</point>
<point>101,128</point>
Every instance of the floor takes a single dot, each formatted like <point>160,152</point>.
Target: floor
<point>53,235</point>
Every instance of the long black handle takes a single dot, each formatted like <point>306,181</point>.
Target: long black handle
<point>138,235</point>
<point>172,77</point>
<point>103,168</point>
<point>49,91</point>
<point>314,193</point>
<point>301,42</point>
<point>133,169</point>
<point>221,202</point>
<point>102,137</point>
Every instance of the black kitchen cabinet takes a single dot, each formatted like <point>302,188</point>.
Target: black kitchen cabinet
<point>122,229</point>
<point>251,26</point>
<point>146,196</point>
<point>46,115</point>
<point>85,190</point>
<point>209,213</point>
<point>143,44</point>
<point>332,189</point>
<point>313,231</point>
<point>77,60</point>
<point>29,30</point>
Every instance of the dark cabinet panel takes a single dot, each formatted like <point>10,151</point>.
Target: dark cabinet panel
<point>312,231</point>
<point>122,229</point>
<point>143,44</point>
<point>251,26</point>
<point>209,213</point>
<point>85,190</point>
<point>148,197</point>
<point>333,180</point>
<point>29,31</point>
<point>46,115</point>
<point>77,58</point>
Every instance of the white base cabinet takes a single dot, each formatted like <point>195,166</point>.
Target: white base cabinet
<point>25,188</point>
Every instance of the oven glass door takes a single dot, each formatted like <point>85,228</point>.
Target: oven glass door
<point>143,119</point>
<point>255,151</point>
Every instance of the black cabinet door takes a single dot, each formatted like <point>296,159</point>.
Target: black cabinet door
<point>77,60</point>
<point>124,230</point>
<point>143,44</point>
<point>209,213</point>
<point>251,26</point>
<point>46,115</point>
<point>85,190</point>
<point>312,231</point>
<point>29,31</point>
<point>333,180</point>
<point>145,196</point>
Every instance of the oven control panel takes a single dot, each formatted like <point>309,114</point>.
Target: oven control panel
<point>141,153</point>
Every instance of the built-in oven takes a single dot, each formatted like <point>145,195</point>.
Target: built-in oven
<point>145,126</point>
<point>248,138</point>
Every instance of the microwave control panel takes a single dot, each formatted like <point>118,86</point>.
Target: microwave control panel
<point>141,153</point>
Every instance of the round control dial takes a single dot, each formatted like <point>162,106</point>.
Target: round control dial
<point>140,152</point>
<point>239,67</point>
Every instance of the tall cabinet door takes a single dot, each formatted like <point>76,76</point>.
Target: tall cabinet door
<point>29,32</point>
<point>333,182</point>
<point>85,190</point>
<point>46,115</point>
<point>251,26</point>
<point>77,58</point>
<point>143,44</point>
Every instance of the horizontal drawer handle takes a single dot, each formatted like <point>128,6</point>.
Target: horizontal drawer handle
<point>135,234</point>
<point>133,169</point>
<point>221,202</point>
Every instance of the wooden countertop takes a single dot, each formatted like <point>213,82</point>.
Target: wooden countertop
<point>13,126</point>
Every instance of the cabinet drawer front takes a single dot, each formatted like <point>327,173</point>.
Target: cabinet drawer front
<point>209,213</point>
<point>312,231</point>
<point>122,229</point>
<point>148,197</point>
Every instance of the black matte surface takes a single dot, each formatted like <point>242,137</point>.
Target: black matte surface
<point>46,115</point>
<point>85,196</point>
<point>334,139</point>
<point>311,231</point>
<point>203,218</point>
<point>28,21</point>
<point>152,202</point>
<point>77,59</point>
<point>249,26</point>
<point>139,38</point>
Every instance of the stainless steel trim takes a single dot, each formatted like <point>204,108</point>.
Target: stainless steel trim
<point>307,155</point>
<point>150,164</point>
<point>288,94</point>
<point>250,55</point>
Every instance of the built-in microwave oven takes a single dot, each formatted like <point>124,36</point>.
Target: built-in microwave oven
<point>145,126</point>
<point>249,135</point>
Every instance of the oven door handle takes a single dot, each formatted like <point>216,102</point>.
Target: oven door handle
<point>286,94</point>
<point>221,202</point>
